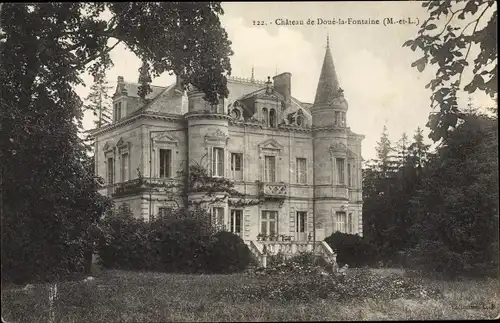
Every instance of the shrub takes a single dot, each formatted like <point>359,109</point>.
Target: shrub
<point>125,244</point>
<point>352,250</point>
<point>227,253</point>
<point>182,245</point>
<point>291,286</point>
<point>183,241</point>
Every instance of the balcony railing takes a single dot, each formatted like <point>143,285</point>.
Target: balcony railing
<point>139,185</point>
<point>273,190</point>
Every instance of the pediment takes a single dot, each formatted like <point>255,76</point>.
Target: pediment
<point>338,147</point>
<point>216,134</point>
<point>107,147</point>
<point>350,153</point>
<point>270,144</point>
<point>121,144</point>
<point>166,138</point>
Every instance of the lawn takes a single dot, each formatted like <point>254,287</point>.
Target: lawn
<point>124,296</point>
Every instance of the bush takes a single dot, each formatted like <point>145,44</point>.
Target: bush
<point>304,286</point>
<point>352,250</point>
<point>180,242</point>
<point>227,253</point>
<point>182,245</point>
<point>125,243</point>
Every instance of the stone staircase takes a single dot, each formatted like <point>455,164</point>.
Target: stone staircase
<point>262,249</point>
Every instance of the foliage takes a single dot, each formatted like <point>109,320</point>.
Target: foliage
<point>468,23</point>
<point>125,242</point>
<point>456,208</point>
<point>50,197</point>
<point>295,286</point>
<point>215,189</point>
<point>98,101</point>
<point>184,241</point>
<point>228,253</point>
<point>352,250</point>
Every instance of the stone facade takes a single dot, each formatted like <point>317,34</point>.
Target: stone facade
<point>300,158</point>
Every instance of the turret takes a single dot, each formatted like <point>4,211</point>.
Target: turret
<point>207,145</point>
<point>330,151</point>
<point>330,107</point>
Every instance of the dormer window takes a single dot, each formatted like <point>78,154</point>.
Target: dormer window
<point>118,111</point>
<point>272,118</point>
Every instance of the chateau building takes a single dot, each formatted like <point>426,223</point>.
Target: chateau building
<point>301,159</point>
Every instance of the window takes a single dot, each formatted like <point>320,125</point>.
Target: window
<point>301,171</point>
<point>125,168</point>
<point>165,163</point>
<point>340,171</point>
<point>236,221</point>
<point>110,170</point>
<point>342,119</point>
<point>268,222</point>
<point>270,168</point>
<point>219,108</point>
<point>272,118</point>
<point>164,211</point>
<point>341,222</point>
<point>349,179</point>
<point>218,162</point>
<point>218,216</point>
<point>337,118</point>
<point>237,166</point>
<point>118,111</point>
<point>301,222</point>
<point>265,116</point>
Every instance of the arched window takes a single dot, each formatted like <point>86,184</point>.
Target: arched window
<point>265,116</point>
<point>272,118</point>
<point>299,121</point>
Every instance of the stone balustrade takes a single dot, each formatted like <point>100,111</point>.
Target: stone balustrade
<point>138,185</point>
<point>262,249</point>
<point>279,190</point>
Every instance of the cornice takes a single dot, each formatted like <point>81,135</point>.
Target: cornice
<point>132,119</point>
<point>206,115</point>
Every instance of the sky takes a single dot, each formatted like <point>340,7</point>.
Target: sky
<point>373,68</point>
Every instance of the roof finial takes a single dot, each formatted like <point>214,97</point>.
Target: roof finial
<point>252,79</point>
<point>276,70</point>
<point>327,39</point>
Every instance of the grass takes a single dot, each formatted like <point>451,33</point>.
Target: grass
<point>124,296</point>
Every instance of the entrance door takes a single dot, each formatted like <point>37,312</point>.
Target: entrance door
<point>301,226</point>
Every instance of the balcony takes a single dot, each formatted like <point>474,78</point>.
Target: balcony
<point>273,190</point>
<point>140,185</point>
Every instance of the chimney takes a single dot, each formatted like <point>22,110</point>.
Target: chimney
<point>283,85</point>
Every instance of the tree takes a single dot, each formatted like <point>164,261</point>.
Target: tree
<point>455,209</point>
<point>418,150</point>
<point>144,80</point>
<point>98,101</point>
<point>402,150</point>
<point>386,162</point>
<point>50,197</point>
<point>468,23</point>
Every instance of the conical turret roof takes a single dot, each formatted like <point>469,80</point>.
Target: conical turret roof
<point>328,84</point>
